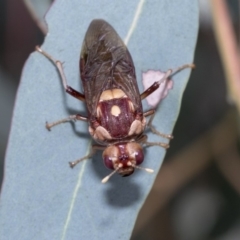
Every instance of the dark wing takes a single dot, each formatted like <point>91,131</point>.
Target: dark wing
<point>106,63</point>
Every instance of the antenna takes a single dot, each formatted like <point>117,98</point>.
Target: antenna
<point>149,170</point>
<point>120,165</point>
<point>104,180</point>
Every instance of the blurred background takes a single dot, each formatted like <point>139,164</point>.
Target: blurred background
<point>196,194</point>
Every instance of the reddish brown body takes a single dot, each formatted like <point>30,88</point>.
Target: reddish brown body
<point>111,92</point>
<point>115,114</point>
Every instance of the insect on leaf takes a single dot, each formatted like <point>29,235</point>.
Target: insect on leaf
<point>42,198</point>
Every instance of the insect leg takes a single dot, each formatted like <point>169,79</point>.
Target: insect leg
<point>59,67</point>
<point>69,118</point>
<point>153,129</point>
<point>91,153</point>
<point>144,141</point>
<point>169,73</point>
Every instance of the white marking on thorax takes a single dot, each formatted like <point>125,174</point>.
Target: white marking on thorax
<point>115,110</point>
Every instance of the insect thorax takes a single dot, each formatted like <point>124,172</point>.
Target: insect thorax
<point>116,117</point>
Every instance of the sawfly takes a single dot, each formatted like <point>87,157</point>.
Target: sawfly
<point>114,104</point>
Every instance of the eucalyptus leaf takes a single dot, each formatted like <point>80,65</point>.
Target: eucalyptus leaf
<point>42,198</point>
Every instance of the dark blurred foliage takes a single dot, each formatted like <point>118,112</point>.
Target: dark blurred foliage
<point>204,104</point>
<point>204,100</point>
<point>18,37</point>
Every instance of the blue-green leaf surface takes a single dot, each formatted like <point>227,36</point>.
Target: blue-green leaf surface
<point>42,198</point>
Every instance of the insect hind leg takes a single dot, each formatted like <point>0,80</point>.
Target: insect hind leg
<point>157,84</point>
<point>59,67</point>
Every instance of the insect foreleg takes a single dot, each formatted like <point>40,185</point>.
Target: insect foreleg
<point>59,67</point>
<point>91,153</point>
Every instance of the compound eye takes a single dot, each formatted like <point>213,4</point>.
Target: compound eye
<point>136,152</point>
<point>139,156</point>
<point>108,162</point>
<point>110,156</point>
